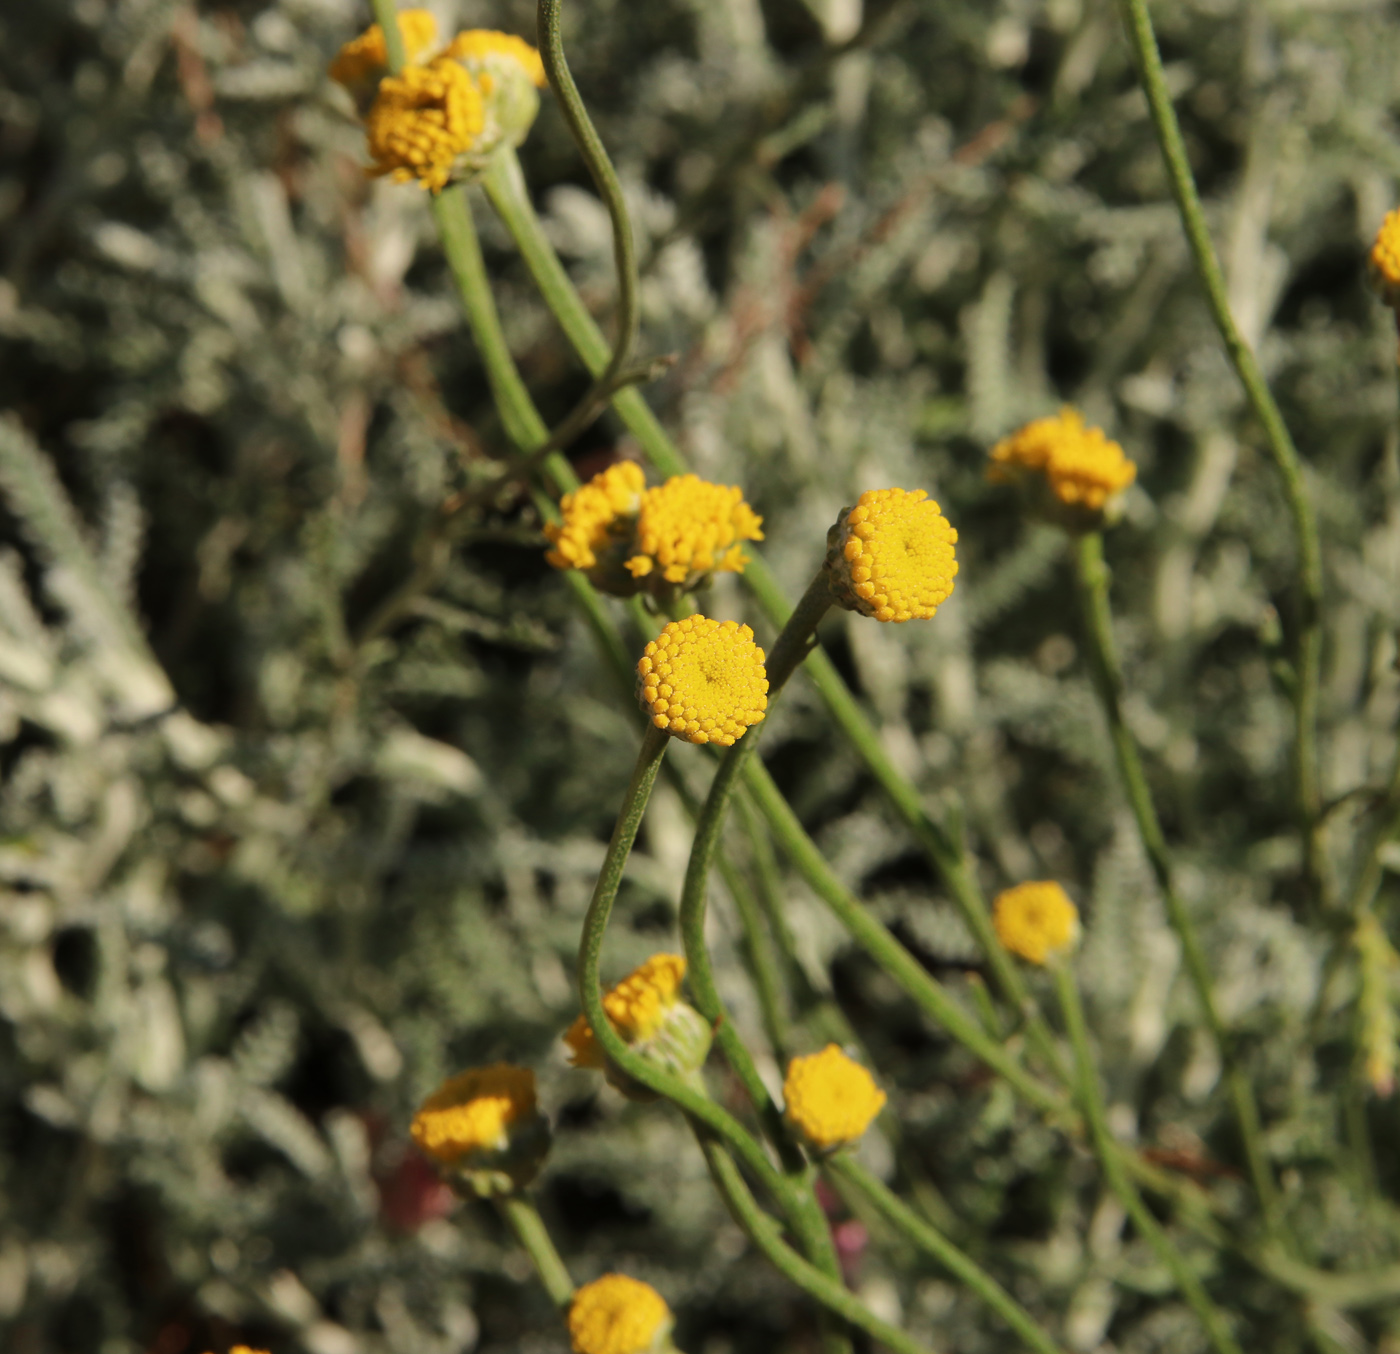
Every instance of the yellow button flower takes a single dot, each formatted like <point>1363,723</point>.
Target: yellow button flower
<point>830,1099</point>
<point>1385,260</point>
<point>891,556</point>
<point>703,680</point>
<point>424,123</point>
<point>619,1315</point>
<point>510,75</point>
<point>637,1007</point>
<point>484,51</point>
<point>367,58</point>
<point>1083,469</point>
<point>687,527</point>
<point>485,1126</point>
<point>1036,920</point>
<point>594,515</point>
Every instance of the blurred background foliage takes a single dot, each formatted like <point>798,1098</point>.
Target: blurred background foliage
<point>274,859</point>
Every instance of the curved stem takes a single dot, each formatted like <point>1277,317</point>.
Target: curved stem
<point>929,1239</point>
<point>1276,435</point>
<point>1092,575</point>
<point>524,1220</point>
<point>1107,1149</point>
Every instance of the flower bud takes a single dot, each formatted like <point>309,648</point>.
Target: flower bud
<point>619,1315</point>
<point>1036,921</point>
<point>830,1100</point>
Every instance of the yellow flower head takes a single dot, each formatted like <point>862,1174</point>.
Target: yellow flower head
<point>688,526</point>
<point>891,556</point>
<point>619,1315</point>
<point>703,680</point>
<point>485,52</point>
<point>510,74</point>
<point>594,515</point>
<point>424,123</point>
<point>1036,920</point>
<point>830,1100</point>
<point>367,58</point>
<point>1385,260</point>
<point>637,1008</point>
<point>484,1126</point>
<point>1083,469</point>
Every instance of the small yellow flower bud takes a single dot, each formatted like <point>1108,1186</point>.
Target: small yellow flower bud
<point>830,1100</point>
<point>646,1011</point>
<point>619,1315</point>
<point>1036,920</point>
<point>484,1129</point>
<point>1075,474</point>
<point>890,556</point>
<point>703,680</point>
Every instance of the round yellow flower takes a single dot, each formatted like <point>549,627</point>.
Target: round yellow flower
<point>595,514</point>
<point>891,556</point>
<point>1036,920</point>
<point>484,1127</point>
<point>619,1315</point>
<point>424,123</point>
<point>830,1099</point>
<point>1082,467</point>
<point>1385,259</point>
<point>367,57</point>
<point>483,52</point>
<point>688,527</point>
<point>637,1006</point>
<point>703,680</point>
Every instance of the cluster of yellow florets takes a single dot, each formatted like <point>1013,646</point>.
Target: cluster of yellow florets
<point>1083,468</point>
<point>442,116</point>
<point>688,526</point>
<point>618,1315</point>
<point>473,1111</point>
<point>891,556</point>
<point>595,515</point>
<point>703,680</point>
<point>1036,920</point>
<point>830,1099</point>
<point>636,1007</point>
<point>1385,260</point>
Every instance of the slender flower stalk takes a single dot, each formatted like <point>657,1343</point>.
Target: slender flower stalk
<point>1108,683</point>
<point>845,1168</point>
<point>523,1219</point>
<point>1279,441</point>
<point>1106,1148</point>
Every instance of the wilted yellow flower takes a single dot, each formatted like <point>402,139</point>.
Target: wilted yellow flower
<point>703,680</point>
<point>688,527</point>
<point>891,556</point>
<point>830,1099</point>
<point>1385,260</point>
<point>510,75</point>
<point>1036,920</point>
<point>367,57</point>
<point>595,515</point>
<point>424,123</point>
<point>1082,468</point>
<point>484,1124</point>
<point>619,1315</point>
<point>637,1006</point>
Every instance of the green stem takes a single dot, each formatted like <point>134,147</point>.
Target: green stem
<point>1280,444</point>
<point>1107,1149</point>
<point>961,1266</point>
<point>386,16</point>
<point>759,948</point>
<point>524,1220</point>
<point>1092,574</point>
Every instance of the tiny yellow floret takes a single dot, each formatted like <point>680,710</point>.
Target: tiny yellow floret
<point>830,1099</point>
<point>1081,465</point>
<point>1036,920</point>
<point>480,48</point>
<point>637,1006</point>
<point>618,1315</point>
<point>474,1111</point>
<point>688,526</point>
<point>366,57</point>
<point>891,556</point>
<point>421,122</point>
<point>1385,260</point>
<point>593,514</point>
<point>703,680</point>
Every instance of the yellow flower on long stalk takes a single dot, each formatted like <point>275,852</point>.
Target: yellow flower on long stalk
<point>424,123</point>
<point>829,1099</point>
<point>619,1315</point>
<point>596,516</point>
<point>1083,470</point>
<point>890,556</point>
<point>1036,920</point>
<point>703,680</point>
